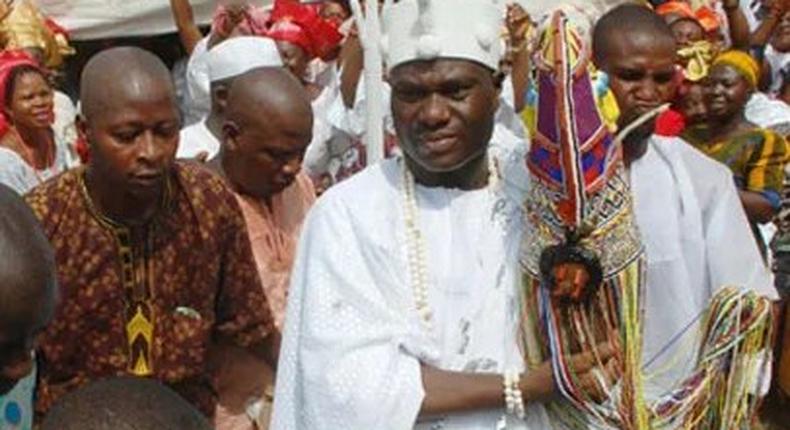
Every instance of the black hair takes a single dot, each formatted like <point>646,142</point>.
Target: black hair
<point>125,403</point>
<point>13,79</point>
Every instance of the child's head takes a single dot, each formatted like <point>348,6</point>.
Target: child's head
<point>125,403</point>
<point>28,287</point>
<point>691,103</point>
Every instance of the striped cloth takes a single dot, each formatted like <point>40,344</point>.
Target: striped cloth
<point>757,159</point>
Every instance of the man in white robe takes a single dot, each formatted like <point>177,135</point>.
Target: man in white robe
<point>226,61</point>
<point>388,330</point>
<point>696,236</point>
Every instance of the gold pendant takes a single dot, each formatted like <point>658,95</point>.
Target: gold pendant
<point>139,334</point>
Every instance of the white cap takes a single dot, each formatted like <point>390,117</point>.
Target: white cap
<point>239,55</point>
<point>431,29</point>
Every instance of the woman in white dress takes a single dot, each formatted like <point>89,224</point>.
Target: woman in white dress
<point>30,151</point>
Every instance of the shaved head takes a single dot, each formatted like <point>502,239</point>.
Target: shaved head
<point>264,92</point>
<point>124,404</point>
<point>27,264</point>
<point>119,74</point>
<point>268,125</point>
<point>628,22</point>
<point>131,122</point>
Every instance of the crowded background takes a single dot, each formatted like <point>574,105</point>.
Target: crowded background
<point>161,164</point>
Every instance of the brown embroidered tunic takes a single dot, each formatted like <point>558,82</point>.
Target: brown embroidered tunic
<point>152,308</point>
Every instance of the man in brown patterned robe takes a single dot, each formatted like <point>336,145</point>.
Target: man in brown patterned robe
<point>154,263</point>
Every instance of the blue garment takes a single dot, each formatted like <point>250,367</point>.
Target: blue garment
<point>16,406</point>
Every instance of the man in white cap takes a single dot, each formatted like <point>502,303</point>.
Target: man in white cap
<point>403,304</point>
<point>226,61</point>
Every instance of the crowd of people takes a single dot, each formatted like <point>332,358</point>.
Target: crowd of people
<point>213,246</point>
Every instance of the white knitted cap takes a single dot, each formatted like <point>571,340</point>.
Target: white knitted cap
<point>430,29</point>
<point>239,55</point>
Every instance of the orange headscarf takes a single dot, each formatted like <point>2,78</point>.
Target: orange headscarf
<point>704,15</point>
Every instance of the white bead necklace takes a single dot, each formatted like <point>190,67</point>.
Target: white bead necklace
<point>415,241</point>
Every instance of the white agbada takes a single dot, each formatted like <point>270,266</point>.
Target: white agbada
<point>697,240</point>
<point>353,341</point>
<point>196,139</point>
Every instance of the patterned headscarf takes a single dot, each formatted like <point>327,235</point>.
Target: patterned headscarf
<point>704,16</point>
<point>697,58</point>
<point>26,28</point>
<point>742,62</point>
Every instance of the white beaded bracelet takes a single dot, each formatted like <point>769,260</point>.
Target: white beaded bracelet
<point>514,400</point>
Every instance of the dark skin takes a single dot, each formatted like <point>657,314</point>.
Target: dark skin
<point>131,121</point>
<point>18,334</point>
<point>726,94</point>
<point>294,58</point>
<point>334,12</point>
<point>687,31</point>
<point>693,106</point>
<point>443,112</point>
<point>776,10</point>
<point>444,116</point>
<point>132,125</point>
<point>262,158</point>
<point>219,102</point>
<point>31,113</point>
<point>28,288</point>
<point>268,128</point>
<point>188,31</point>
<point>641,68</point>
<point>780,41</point>
<point>784,94</point>
<point>518,22</point>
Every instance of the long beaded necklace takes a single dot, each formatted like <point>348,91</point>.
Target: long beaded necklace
<point>415,240</point>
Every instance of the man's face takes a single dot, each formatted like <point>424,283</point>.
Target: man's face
<point>443,111</point>
<point>641,71</point>
<point>133,145</point>
<point>726,92</point>
<point>266,156</point>
<point>687,31</point>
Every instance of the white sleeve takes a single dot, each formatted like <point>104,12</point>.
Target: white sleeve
<point>14,173</point>
<point>348,357</point>
<point>733,256</point>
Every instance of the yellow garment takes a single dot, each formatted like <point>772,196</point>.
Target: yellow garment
<point>26,28</point>
<point>742,62</point>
